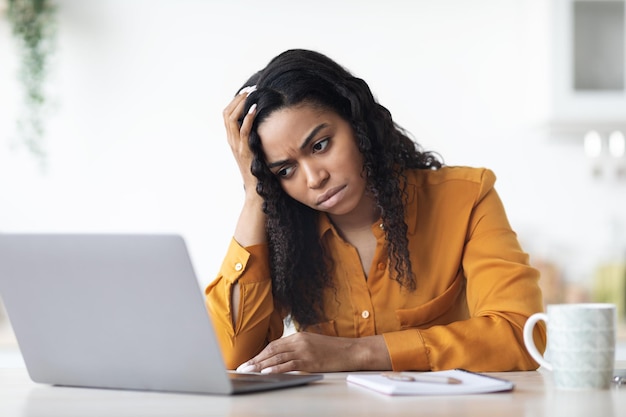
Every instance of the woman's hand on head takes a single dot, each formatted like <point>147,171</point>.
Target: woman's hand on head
<point>250,229</point>
<point>238,135</point>
<point>310,352</point>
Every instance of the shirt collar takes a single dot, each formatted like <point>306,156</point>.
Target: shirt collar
<point>324,224</point>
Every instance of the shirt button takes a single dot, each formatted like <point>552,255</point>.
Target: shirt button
<point>238,266</point>
<point>381,266</point>
<point>365,314</point>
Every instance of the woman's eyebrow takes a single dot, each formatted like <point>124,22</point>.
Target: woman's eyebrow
<point>306,141</point>
<point>311,135</point>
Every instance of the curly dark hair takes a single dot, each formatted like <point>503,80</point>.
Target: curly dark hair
<point>299,265</point>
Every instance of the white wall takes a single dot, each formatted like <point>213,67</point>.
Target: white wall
<point>136,142</point>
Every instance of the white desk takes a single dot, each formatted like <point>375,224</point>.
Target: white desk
<point>533,397</point>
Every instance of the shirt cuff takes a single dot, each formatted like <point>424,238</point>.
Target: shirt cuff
<point>407,350</point>
<point>239,259</point>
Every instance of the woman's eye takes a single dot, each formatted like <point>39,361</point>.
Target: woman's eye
<point>321,145</point>
<point>284,172</point>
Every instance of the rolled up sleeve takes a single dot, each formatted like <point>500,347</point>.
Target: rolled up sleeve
<point>258,322</point>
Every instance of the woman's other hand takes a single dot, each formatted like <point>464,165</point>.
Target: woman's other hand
<point>310,352</point>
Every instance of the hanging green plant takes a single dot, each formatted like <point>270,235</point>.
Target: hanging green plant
<point>34,29</point>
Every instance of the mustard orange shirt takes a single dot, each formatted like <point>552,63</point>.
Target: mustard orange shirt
<point>475,287</point>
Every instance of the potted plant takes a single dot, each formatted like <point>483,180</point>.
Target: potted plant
<point>34,29</point>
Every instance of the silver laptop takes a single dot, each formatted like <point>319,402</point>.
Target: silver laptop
<point>116,311</point>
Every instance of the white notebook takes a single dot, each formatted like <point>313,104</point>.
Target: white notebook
<point>417,383</point>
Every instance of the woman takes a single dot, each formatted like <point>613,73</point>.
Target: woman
<point>381,256</point>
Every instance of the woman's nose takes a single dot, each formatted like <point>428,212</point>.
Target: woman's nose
<point>316,176</point>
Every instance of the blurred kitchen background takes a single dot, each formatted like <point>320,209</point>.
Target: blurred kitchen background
<point>132,92</point>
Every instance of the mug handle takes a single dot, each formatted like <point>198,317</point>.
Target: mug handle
<point>530,342</point>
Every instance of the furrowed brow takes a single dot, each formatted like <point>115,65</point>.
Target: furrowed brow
<point>305,143</point>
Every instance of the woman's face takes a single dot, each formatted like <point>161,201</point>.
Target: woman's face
<point>314,155</point>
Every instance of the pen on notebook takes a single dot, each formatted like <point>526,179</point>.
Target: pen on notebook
<point>422,377</point>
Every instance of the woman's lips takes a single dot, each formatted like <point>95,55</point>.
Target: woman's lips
<point>327,197</point>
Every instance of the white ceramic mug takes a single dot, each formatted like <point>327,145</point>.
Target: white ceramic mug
<point>581,344</point>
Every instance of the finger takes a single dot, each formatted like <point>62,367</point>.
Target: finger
<point>247,90</point>
<point>263,367</point>
<point>274,354</point>
<point>282,368</point>
<point>280,363</point>
<point>236,102</point>
<point>234,109</point>
<point>246,126</point>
